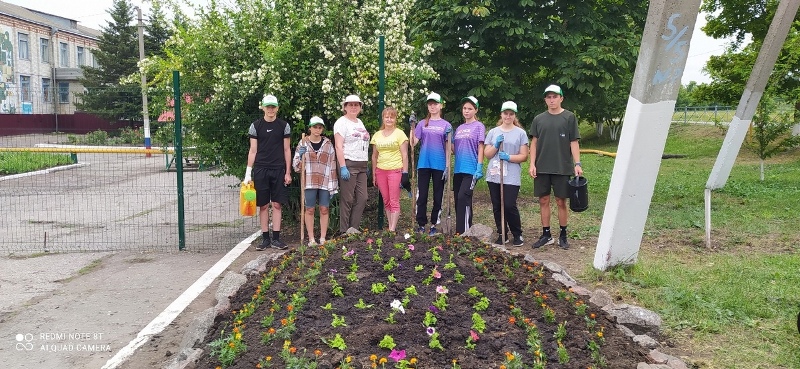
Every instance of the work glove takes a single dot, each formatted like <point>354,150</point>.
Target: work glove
<point>498,140</point>
<point>344,173</point>
<point>405,182</point>
<point>504,156</point>
<point>301,150</point>
<point>478,173</point>
<point>248,177</point>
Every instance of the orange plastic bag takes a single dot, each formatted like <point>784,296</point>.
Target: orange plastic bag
<point>247,199</point>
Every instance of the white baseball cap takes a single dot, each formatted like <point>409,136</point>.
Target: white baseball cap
<point>509,105</point>
<point>435,97</point>
<point>471,99</point>
<point>315,120</point>
<point>269,100</point>
<point>351,98</point>
<point>553,88</point>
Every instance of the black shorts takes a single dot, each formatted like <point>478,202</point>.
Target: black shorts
<point>269,186</point>
<point>559,183</point>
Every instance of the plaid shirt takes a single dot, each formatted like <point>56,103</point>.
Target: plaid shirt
<point>320,166</point>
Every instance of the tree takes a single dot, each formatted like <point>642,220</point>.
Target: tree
<point>730,71</point>
<point>117,57</point>
<point>157,30</point>
<point>504,50</point>
<point>771,131</point>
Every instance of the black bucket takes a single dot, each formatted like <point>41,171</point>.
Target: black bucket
<point>578,194</point>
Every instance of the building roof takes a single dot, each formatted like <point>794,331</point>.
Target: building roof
<point>60,23</point>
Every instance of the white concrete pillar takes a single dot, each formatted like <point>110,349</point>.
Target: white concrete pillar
<point>656,81</point>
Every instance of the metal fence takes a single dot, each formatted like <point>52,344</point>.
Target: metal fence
<point>713,114</point>
<point>116,201</point>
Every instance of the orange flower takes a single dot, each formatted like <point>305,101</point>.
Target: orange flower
<point>373,357</point>
<point>284,321</point>
<point>271,330</point>
<point>292,349</point>
<point>509,356</point>
<point>413,361</point>
<point>317,352</point>
<point>512,320</point>
<point>502,367</point>
<point>383,360</point>
<point>592,315</point>
<point>289,308</point>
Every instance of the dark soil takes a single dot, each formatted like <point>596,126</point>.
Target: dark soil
<point>303,279</point>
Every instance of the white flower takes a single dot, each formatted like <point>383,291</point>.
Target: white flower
<point>397,305</point>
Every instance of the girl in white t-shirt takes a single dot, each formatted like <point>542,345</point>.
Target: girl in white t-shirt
<point>352,146</point>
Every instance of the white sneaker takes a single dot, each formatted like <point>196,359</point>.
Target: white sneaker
<point>321,241</point>
<point>352,230</point>
<point>312,243</point>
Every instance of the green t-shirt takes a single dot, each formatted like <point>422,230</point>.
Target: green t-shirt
<point>554,133</point>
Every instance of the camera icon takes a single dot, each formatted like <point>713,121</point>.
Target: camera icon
<point>24,342</point>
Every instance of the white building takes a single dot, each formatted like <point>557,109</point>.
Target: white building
<point>40,59</point>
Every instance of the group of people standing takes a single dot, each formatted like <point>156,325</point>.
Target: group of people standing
<point>551,146</point>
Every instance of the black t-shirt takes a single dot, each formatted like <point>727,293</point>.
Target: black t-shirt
<point>270,137</point>
<point>316,145</point>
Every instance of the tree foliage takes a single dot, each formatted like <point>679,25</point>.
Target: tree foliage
<point>772,131</point>
<point>309,54</point>
<point>116,55</point>
<point>729,72</point>
<point>509,50</point>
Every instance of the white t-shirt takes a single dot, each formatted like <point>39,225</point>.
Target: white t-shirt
<point>356,138</point>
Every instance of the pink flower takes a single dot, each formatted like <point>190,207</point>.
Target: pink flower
<point>369,241</point>
<point>436,273</point>
<point>473,335</point>
<point>411,247</point>
<point>350,253</point>
<point>397,355</point>
<point>441,289</point>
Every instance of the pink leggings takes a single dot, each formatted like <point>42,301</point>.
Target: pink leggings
<point>389,185</point>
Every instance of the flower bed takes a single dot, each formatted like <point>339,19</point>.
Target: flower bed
<point>376,301</point>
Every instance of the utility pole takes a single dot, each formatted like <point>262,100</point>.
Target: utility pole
<point>145,113</point>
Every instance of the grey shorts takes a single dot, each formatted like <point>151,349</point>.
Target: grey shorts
<point>315,195</point>
<point>544,182</point>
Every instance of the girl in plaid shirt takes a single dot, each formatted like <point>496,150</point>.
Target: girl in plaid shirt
<point>319,158</point>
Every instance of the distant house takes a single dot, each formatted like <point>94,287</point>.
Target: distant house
<point>40,59</point>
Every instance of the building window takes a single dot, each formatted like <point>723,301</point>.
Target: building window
<point>46,95</point>
<point>23,45</point>
<point>64,53</point>
<point>25,87</point>
<point>63,92</point>
<point>81,56</point>
<point>44,46</point>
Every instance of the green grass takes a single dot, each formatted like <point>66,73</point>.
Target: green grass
<point>21,162</point>
<point>731,306</point>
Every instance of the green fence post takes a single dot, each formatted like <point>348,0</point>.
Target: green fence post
<point>381,82</point>
<point>176,86</point>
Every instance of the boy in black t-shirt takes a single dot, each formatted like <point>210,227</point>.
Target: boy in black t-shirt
<point>268,167</point>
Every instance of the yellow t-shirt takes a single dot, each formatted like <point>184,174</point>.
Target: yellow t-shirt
<point>389,156</point>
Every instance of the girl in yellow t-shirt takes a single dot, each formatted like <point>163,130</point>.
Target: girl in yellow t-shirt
<point>390,164</point>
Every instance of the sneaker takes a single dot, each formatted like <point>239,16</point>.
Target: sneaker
<point>321,241</point>
<point>432,231</point>
<point>421,229</point>
<point>312,243</point>
<point>499,240</point>
<point>562,242</point>
<point>278,244</point>
<point>518,241</point>
<point>546,239</point>
<point>265,242</point>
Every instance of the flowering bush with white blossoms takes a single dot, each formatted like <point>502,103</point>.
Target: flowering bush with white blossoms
<point>309,54</point>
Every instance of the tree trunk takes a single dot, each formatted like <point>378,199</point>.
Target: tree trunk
<point>599,127</point>
<point>796,127</point>
<point>762,170</point>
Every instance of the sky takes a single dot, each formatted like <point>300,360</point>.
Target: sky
<point>94,14</point>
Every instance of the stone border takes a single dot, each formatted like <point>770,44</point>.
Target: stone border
<point>636,322</point>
